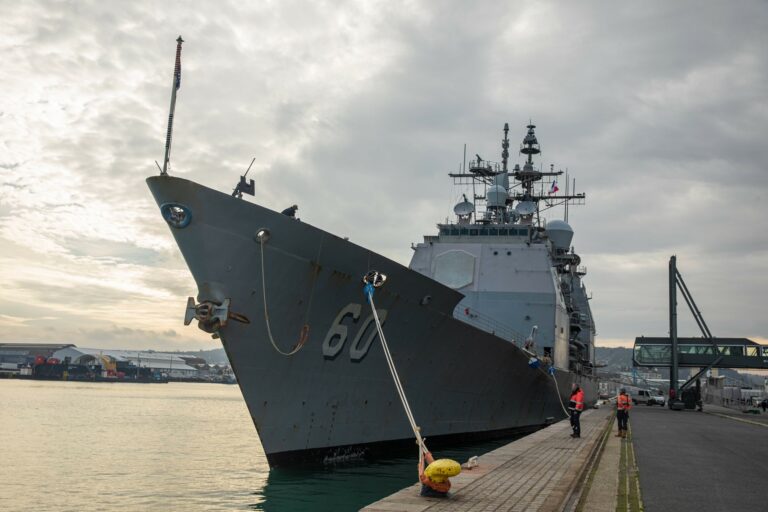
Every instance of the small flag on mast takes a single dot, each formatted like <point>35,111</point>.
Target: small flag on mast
<point>554,188</point>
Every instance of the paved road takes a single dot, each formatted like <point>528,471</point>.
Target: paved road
<point>691,461</point>
<point>737,413</point>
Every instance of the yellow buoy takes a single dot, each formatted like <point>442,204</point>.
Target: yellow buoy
<point>441,469</point>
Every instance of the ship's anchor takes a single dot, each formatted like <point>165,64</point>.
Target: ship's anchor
<point>211,316</point>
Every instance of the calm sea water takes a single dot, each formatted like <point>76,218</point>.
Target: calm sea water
<point>97,446</point>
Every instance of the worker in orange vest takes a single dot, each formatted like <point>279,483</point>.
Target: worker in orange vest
<point>623,405</point>
<point>576,406</point>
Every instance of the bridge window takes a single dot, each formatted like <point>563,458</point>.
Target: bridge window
<point>445,231</point>
<point>472,232</point>
<point>653,354</point>
<point>503,232</point>
<point>765,351</point>
<point>731,350</point>
<point>753,351</point>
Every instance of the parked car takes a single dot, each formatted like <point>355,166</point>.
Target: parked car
<point>647,397</point>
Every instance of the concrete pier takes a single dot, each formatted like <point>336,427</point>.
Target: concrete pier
<point>672,460</point>
<point>540,472</point>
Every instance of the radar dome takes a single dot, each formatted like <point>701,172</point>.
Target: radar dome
<point>561,234</point>
<point>496,196</point>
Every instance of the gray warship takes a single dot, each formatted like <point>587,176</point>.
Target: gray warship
<point>488,326</point>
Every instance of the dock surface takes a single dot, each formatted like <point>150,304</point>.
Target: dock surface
<point>538,472</point>
<point>692,461</point>
<point>685,460</point>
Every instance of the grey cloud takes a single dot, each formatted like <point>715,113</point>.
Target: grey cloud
<point>659,111</point>
<point>77,296</point>
<point>178,284</point>
<point>125,333</point>
<point>111,251</point>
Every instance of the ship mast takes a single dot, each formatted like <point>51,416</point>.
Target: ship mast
<point>528,174</point>
<point>529,200</point>
<point>497,194</point>
<point>175,87</point>
<point>505,148</point>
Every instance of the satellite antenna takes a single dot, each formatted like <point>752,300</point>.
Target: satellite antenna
<point>464,208</point>
<point>525,208</point>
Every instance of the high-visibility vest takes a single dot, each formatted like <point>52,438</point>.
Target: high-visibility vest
<point>578,399</point>
<point>623,403</point>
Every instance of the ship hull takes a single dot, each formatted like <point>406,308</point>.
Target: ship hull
<point>335,397</point>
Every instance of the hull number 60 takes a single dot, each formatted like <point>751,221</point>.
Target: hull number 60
<point>337,335</point>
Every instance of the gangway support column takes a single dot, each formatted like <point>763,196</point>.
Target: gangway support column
<point>673,388</point>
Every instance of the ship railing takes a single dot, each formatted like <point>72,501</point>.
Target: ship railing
<point>486,323</point>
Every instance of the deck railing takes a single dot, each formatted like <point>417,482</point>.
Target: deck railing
<point>488,324</point>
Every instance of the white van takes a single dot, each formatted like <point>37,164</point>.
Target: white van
<point>643,396</point>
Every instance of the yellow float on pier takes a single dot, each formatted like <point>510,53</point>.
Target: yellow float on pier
<point>442,469</point>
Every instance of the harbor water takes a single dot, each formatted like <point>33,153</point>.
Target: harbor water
<point>178,446</point>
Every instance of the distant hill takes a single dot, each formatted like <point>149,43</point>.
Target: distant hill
<point>616,359</point>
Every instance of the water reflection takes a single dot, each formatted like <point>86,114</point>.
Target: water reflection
<point>350,486</point>
<point>175,446</point>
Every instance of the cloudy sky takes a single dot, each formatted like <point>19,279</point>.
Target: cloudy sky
<point>357,111</point>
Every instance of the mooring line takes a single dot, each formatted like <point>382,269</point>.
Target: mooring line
<point>395,376</point>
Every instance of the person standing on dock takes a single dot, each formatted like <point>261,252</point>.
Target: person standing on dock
<point>623,405</point>
<point>576,406</point>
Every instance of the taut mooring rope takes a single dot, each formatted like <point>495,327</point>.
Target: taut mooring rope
<point>393,371</point>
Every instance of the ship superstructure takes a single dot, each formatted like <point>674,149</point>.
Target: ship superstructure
<point>519,275</point>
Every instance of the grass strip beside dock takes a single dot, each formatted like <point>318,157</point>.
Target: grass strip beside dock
<point>629,481</point>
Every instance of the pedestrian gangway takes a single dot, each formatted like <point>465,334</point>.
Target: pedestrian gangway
<point>701,352</point>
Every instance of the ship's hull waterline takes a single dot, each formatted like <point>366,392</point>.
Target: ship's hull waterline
<point>335,396</point>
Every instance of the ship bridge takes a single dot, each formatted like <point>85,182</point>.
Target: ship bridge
<point>479,230</point>
<point>700,352</point>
